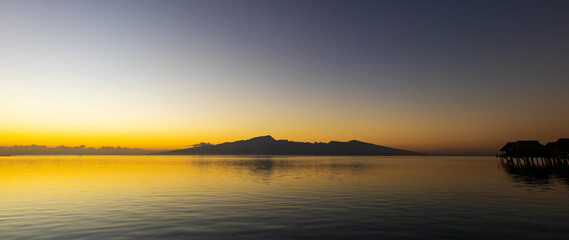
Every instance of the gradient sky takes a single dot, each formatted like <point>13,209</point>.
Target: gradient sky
<point>430,76</point>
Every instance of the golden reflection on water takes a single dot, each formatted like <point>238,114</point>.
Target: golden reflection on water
<point>56,175</point>
<point>72,179</point>
<point>59,174</point>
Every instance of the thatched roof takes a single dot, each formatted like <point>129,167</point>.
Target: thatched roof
<point>506,147</point>
<point>532,148</point>
<point>527,146</point>
<point>561,144</point>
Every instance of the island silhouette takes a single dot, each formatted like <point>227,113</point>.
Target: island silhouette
<point>267,145</point>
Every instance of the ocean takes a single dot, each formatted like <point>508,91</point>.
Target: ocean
<point>279,197</point>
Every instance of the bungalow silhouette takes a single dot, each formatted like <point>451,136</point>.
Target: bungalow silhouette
<point>534,149</point>
<point>525,148</point>
<point>505,150</point>
<point>559,148</point>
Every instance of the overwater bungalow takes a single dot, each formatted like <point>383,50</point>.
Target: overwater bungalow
<point>534,152</point>
<point>526,148</point>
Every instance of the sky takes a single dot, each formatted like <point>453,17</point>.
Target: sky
<point>439,77</point>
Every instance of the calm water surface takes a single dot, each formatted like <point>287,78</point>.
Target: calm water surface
<point>227,197</point>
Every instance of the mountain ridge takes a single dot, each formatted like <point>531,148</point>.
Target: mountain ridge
<point>267,145</point>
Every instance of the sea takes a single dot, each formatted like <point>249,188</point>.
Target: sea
<point>280,197</point>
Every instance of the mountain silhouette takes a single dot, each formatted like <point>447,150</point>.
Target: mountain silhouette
<point>267,145</point>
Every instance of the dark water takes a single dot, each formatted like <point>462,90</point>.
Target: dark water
<point>220,197</point>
